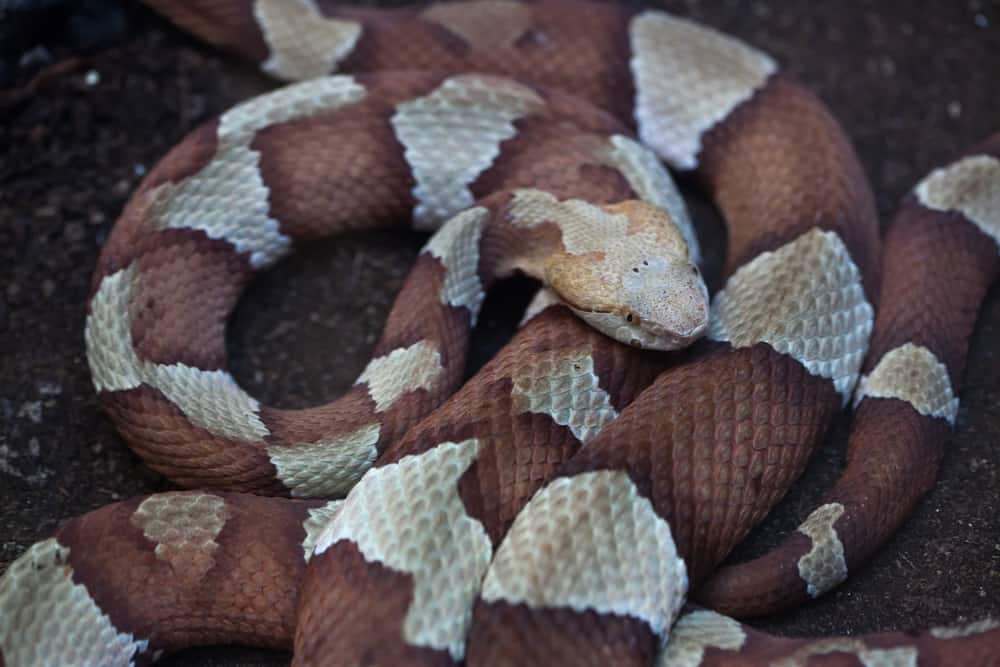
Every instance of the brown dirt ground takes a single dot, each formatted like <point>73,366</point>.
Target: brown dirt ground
<point>912,82</point>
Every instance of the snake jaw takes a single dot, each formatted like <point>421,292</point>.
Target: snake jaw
<point>638,333</point>
<point>674,321</point>
<point>679,339</point>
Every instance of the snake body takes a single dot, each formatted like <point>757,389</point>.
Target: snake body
<point>558,507</point>
<point>907,396</point>
<point>150,368</point>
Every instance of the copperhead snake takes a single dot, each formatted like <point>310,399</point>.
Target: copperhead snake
<point>542,551</point>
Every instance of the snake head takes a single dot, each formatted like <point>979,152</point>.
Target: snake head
<point>642,289</point>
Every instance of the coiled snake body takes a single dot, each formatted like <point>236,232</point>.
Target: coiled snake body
<point>558,507</point>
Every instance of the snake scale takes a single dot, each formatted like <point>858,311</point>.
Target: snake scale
<point>558,507</point>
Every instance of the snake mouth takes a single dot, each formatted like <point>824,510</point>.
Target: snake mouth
<point>636,333</point>
<point>675,340</point>
<point>691,336</point>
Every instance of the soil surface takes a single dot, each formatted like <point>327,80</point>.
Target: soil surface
<point>81,122</point>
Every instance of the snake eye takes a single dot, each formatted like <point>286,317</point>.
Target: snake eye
<point>632,318</point>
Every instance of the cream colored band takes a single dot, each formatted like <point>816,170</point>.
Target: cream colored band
<point>913,374</point>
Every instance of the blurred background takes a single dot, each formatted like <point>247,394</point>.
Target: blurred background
<point>94,92</point>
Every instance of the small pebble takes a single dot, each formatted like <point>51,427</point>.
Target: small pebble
<point>197,105</point>
<point>49,388</point>
<point>887,65</point>
<point>139,169</point>
<point>32,410</point>
<point>74,232</point>
<point>981,20</point>
<point>48,288</point>
<point>954,109</point>
<point>36,57</point>
<point>14,294</point>
<point>92,77</point>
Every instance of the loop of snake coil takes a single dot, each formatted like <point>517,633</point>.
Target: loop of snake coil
<point>481,530</point>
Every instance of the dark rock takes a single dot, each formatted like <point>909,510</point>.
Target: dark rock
<point>74,232</point>
<point>35,58</point>
<point>95,23</point>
